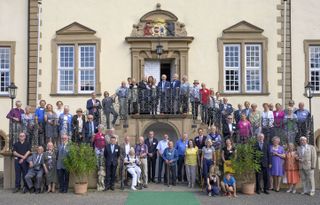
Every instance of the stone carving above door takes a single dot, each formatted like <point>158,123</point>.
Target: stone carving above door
<point>159,23</point>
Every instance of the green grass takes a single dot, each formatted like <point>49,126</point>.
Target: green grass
<point>162,198</point>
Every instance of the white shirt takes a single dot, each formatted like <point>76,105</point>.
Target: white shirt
<point>267,119</point>
<point>230,127</point>
<point>80,123</point>
<point>162,145</point>
<point>127,148</point>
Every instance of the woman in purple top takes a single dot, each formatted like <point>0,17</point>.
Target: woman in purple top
<point>278,124</point>
<point>277,154</point>
<point>15,122</point>
<point>244,129</point>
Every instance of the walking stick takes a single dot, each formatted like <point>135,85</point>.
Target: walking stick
<point>168,175</point>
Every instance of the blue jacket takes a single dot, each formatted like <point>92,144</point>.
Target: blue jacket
<point>170,154</point>
<point>87,130</point>
<point>68,130</point>
<point>167,86</point>
<point>90,106</point>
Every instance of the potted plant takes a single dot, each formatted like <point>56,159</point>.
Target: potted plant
<point>246,164</point>
<point>80,162</point>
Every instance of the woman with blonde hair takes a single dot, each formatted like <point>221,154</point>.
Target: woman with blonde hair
<point>213,182</point>
<point>208,158</point>
<point>132,163</point>
<point>190,162</point>
<point>277,158</point>
<point>292,168</point>
<point>50,162</point>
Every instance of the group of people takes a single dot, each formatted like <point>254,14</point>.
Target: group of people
<point>204,159</point>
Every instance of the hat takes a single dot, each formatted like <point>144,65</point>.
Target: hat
<point>79,110</point>
<point>196,82</point>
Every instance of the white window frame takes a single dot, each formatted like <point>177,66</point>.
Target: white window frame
<point>8,70</point>
<point>254,68</point>
<point>66,69</point>
<point>87,68</point>
<point>313,69</point>
<point>225,68</point>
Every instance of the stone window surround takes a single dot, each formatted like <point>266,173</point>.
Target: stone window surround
<point>12,45</point>
<point>243,38</point>
<point>76,39</point>
<point>307,43</point>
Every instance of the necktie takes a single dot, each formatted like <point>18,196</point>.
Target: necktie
<point>261,145</point>
<point>162,85</point>
<point>90,129</point>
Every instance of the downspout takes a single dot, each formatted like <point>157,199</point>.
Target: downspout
<point>38,48</point>
<point>284,53</point>
<point>28,54</point>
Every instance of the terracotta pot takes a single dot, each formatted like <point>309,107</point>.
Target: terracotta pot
<point>80,187</point>
<point>247,188</point>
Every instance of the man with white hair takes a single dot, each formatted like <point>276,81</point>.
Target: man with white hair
<point>123,93</point>
<point>307,156</point>
<point>163,87</point>
<point>175,87</point>
<point>141,150</point>
<point>65,123</point>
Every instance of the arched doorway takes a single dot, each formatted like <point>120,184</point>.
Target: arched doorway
<point>161,128</point>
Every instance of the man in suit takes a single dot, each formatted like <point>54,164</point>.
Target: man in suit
<point>151,143</point>
<point>36,169</point>
<point>63,174</point>
<point>200,142</point>
<point>229,128</point>
<point>164,88</point>
<point>307,156</point>
<point>124,151</point>
<point>265,164</point>
<point>175,89</point>
<point>93,107</point>
<point>247,110</point>
<point>111,154</point>
<point>225,109</point>
<point>237,113</point>
<point>78,122</point>
<point>90,128</point>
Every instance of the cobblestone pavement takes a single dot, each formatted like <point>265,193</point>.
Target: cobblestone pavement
<point>119,197</point>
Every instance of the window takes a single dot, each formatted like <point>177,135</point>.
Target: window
<point>232,67</point>
<point>314,67</point>
<point>5,65</point>
<point>243,60</point>
<point>75,59</point>
<point>66,69</point>
<point>87,68</point>
<point>253,67</point>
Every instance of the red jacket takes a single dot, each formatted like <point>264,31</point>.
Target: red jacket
<point>205,94</point>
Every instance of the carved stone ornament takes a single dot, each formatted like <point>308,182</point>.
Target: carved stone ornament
<point>159,23</point>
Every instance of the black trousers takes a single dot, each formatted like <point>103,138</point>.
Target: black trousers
<point>181,169</point>
<point>111,175</point>
<point>195,109</point>
<point>265,176</point>
<point>63,176</point>
<point>161,162</point>
<point>152,167</point>
<point>20,169</point>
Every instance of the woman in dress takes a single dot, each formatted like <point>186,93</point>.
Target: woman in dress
<point>132,163</point>
<point>227,153</point>
<point>292,168</point>
<point>28,126</point>
<point>255,120</point>
<point>208,158</point>
<point>99,143</point>
<point>244,129</point>
<point>51,120</point>
<point>190,162</point>
<point>290,124</point>
<point>277,159</point>
<point>50,159</point>
<point>278,116</point>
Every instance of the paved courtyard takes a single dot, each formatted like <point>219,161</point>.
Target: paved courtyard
<point>119,198</point>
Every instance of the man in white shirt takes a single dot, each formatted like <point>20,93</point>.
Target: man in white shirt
<point>162,145</point>
<point>267,119</point>
<point>124,151</point>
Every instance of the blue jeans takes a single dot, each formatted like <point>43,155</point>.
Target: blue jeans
<point>214,191</point>
<point>205,168</point>
<point>161,162</point>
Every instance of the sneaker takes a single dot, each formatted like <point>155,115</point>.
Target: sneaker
<point>312,193</point>
<point>209,194</point>
<point>289,190</point>
<point>133,188</point>
<point>294,191</point>
<point>189,185</point>
<point>16,190</point>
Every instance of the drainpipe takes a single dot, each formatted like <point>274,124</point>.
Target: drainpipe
<point>38,48</point>
<point>28,53</point>
<point>284,53</point>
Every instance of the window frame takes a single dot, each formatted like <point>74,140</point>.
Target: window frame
<point>77,35</point>
<point>80,68</point>
<point>246,68</point>
<point>65,69</point>
<point>225,68</point>
<point>12,46</point>
<point>313,69</point>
